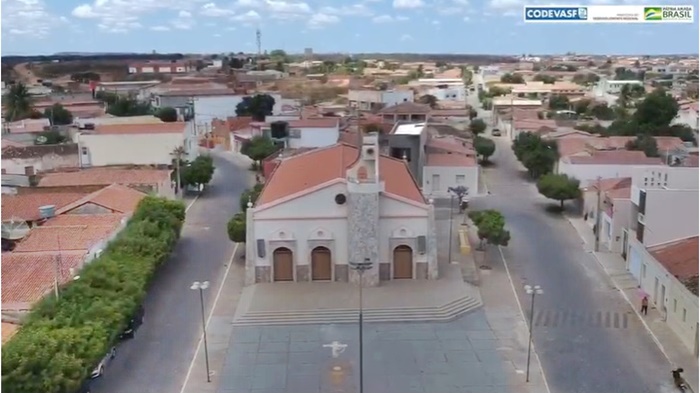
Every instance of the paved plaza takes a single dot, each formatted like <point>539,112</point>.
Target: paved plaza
<point>462,356</point>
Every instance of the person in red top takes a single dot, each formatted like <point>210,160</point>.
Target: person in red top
<point>645,305</point>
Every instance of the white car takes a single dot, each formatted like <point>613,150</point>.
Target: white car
<point>102,365</point>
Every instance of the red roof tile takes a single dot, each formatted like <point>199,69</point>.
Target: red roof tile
<point>680,257</point>
<point>117,198</point>
<point>70,232</point>
<point>26,206</point>
<point>105,176</point>
<point>621,157</point>
<point>128,129</point>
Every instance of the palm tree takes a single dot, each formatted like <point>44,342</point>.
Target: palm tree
<point>18,102</point>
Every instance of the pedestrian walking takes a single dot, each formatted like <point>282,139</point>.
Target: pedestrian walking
<point>645,305</point>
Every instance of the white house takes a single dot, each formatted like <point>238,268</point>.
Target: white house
<point>450,162</point>
<point>208,108</point>
<point>669,273</point>
<point>135,144</point>
<point>377,99</point>
<point>588,167</point>
<point>687,115</point>
<point>32,159</point>
<point>325,208</point>
<point>449,93</point>
<point>609,198</point>
<point>614,86</point>
<point>302,133</point>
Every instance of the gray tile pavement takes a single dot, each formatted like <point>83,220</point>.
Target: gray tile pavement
<point>459,356</point>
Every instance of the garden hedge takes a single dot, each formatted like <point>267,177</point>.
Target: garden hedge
<point>63,339</point>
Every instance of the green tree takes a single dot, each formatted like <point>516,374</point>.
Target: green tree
<point>198,172</point>
<point>540,161</point>
<point>50,138</point>
<point>548,79</point>
<point>601,111</point>
<point>656,110</point>
<point>236,228</point>
<point>250,195</point>
<point>372,127</point>
<point>125,106</point>
<point>258,148</point>
<point>490,226</point>
<point>258,106</point>
<point>477,126</point>
<point>484,147</point>
<point>582,106</point>
<point>428,100</point>
<point>559,187</point>
<point>473,113</point>
<point>58,115</point>
<point>467,76</point>
<point>167,114</point>
<point>559,102</point>
<point>587,78</point>
<point>17,102</point>
<point>644,143</point>
<point>512,78</point>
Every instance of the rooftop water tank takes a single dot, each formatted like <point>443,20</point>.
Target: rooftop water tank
<point>47,211</point>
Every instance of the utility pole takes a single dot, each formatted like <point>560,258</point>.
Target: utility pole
<point>597,216</point>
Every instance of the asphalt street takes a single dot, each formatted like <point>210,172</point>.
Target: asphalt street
<point>453,357</point>
<point>157,359</point>
<point>586,334</point>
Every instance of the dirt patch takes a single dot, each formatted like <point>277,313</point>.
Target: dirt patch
<point>116,69</point>
<point>311,92</point>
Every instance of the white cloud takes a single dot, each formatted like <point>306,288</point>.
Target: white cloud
<point>351,10</point>
<point>248,17</point>
<point>406,37</point>
<point>277,9</point>
<point>121,15</point>
<point>28,18</point>
<point>211,9</point>
<point>408,3</point>
<point>388,18</point>
<point>319,20</point>
<point>435,23</point>
<point>160,28</point>
<point>467,19</point>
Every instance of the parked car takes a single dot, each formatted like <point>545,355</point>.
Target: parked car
<point>496,132</point>
<point>134,323</point>
<point>102,365</point>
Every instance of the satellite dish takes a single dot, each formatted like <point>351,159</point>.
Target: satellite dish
<point>40,140</point>
<point>14,229</point>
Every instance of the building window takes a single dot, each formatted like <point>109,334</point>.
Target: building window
<point>675,305</point>
<point>685,314</point>
<point>461,179</point>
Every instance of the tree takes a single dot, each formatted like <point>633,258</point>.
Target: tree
<point>167,114</point>
<point>58,115</point>
<point>477,126</point>
<point>250,195</point>
<point>372,127</point>
<point>559,187</point>
<point>601,111</point>
<point>512,78</point>
<point>258,106</point>
<point>125,106</point>
<point>428,100</point>
<point>656,110</point>
<point>467,76</point>
<point>198,172</point>
<point>558,102</point>
<point>237,228</point>
<point>540,161</point>
<point>585,79</point>
<point>582,106</point>
<point>50,138</point>
<point>258,148</point>
<point>17,102</point>
<point>490,226</point>
<point>644,143</point>
<point>473,113</point>
<point>548,79</point>
<point>484,147</point>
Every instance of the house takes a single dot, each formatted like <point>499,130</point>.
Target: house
<point>26,126</point>
<point>325,208</point>
<point>541,90</point>
<point>407,111</point>
<point>109,120</point>
<point>614,86</point>
<point>510,104</point>
<point>687,115</point>
<point>54,252</point>
<point>125,87</point>
<point>407,142</point>
<point>135,144</point>
<point>183,98</point>
<point>222,130</point>
<point>155,181</point>
<point>605,164</point>
<point>609,198</point>
<point>29,160</point>
<point>371,100</point>
<point>161,67</point>
<point>671,279</point>
<point>317,132</point>
<point>26,207</point>
<point>450,162</point>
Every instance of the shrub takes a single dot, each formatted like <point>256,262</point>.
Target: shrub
<point>63,339</point>
<point>237,228</point>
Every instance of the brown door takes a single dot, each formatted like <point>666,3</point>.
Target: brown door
<point>320,264</point>
<point>283,265</point>
<point>403,262</point>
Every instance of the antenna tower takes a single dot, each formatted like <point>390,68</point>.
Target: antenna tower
<point>258,40</point>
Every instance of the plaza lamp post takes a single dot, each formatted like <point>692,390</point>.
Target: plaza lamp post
<point>201,286</point>
<point>532,291</point>
<point>361,267</point>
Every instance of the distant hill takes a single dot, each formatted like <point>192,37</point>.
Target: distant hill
<point>12,60</point>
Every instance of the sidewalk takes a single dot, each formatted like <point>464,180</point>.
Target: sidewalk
<point>668,342</point>
<point>504,314</point>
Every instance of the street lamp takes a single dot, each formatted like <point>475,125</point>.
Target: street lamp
<point>201,286</point>
<point>532,291</point>
<point>361,267</point>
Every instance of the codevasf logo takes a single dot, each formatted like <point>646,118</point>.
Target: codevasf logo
<point>653,13</point>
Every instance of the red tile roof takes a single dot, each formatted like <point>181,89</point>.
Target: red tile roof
<point>70,232</point>
<point>571,146</point>
<point>117,198</point>
<point>129,129</point>
<point>621,157</point>
<point>304,171</point>
<point>26,206</point>
<point>105,176</point>
<point>680,257</point>
<point>28,276</point>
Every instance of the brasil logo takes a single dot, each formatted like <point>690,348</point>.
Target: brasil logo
<point>653,13</point>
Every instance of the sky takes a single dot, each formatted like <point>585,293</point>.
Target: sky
<point>31,27</point>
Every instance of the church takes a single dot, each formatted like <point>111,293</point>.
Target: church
<point>322,209</point>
